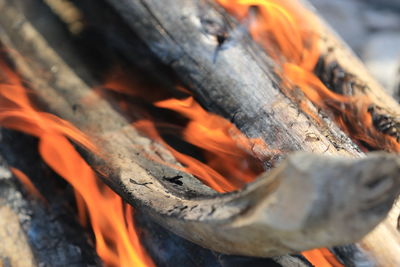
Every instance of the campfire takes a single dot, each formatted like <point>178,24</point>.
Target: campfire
<point>206,133</point>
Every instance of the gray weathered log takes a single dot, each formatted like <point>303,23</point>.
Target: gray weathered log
<point>238,84</point>
<point>307,201</point>
<point>382,244</point>
<point>176,40</point>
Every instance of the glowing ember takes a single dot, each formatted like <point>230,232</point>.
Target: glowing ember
<point>111,219</point>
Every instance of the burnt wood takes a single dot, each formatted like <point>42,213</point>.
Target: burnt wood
<point>311,213</point>
<point>238,83</point>
<point>27,221</point>
<point>383,244</point>
<point>36,232</point>
<point>186,43</point>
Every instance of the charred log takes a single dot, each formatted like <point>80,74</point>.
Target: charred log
<point>383,243</point>
<point>227,86</point>
<point>342,73</point>
<point>311,213</point>
<point>37,233</point>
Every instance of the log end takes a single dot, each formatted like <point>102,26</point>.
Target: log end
<point>319,201</point>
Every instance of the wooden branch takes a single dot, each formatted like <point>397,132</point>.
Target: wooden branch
<point>294,207</point>
<point>67,244</point>
<point>226,82</point>
<point>238,84</point>
<point>168,249</point>
<point>383,244</point>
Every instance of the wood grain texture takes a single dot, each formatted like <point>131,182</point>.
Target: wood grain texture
<point>382,244</point>
<point>294,207</point>
<point>238,85</point>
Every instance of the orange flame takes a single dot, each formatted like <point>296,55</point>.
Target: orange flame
<point>117,242</point>
<point>321,257</point>
<point>290,35</point>
<point>229,158</point>
<point>27,183</point>
<point>225,148</point>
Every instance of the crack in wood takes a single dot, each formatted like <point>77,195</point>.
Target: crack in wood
<point>137,183</point>
<point>175,179</point>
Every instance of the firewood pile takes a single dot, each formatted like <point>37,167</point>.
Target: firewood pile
<point>205,133</point>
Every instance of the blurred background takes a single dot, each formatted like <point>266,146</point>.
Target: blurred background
<point>372,29</point>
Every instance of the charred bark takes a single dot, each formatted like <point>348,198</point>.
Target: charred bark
<point>171,31</point>
<point>383,244</point>
<point>311,213</point>
<point>238,83</point>
<point>37,233</point>
<point>171,44</point>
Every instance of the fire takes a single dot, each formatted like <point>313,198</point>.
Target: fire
<point>29,186</point>
<point>229,158</point>
<point>117,241</point>
<point>290,35</point>
<point>321,257</point>
<point>228,153</point>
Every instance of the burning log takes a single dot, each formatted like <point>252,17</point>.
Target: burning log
<point>383,243</point>
<point>26,220</point>
<point>339,70</point>
<point>307,201</point>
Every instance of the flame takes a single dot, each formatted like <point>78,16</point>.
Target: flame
<point>27,183</point>
<point>321,257</point>
<point>290,35</point>
<point>229,155</point>
<point>117,242</point>
<point>225,148</point>
<point>229,159</point>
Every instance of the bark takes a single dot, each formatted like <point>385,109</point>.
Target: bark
<point>227,82</point>
<point>317,204</point>
<point>28,221</point>
<point>383,244</point>
<point>238,83</point>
